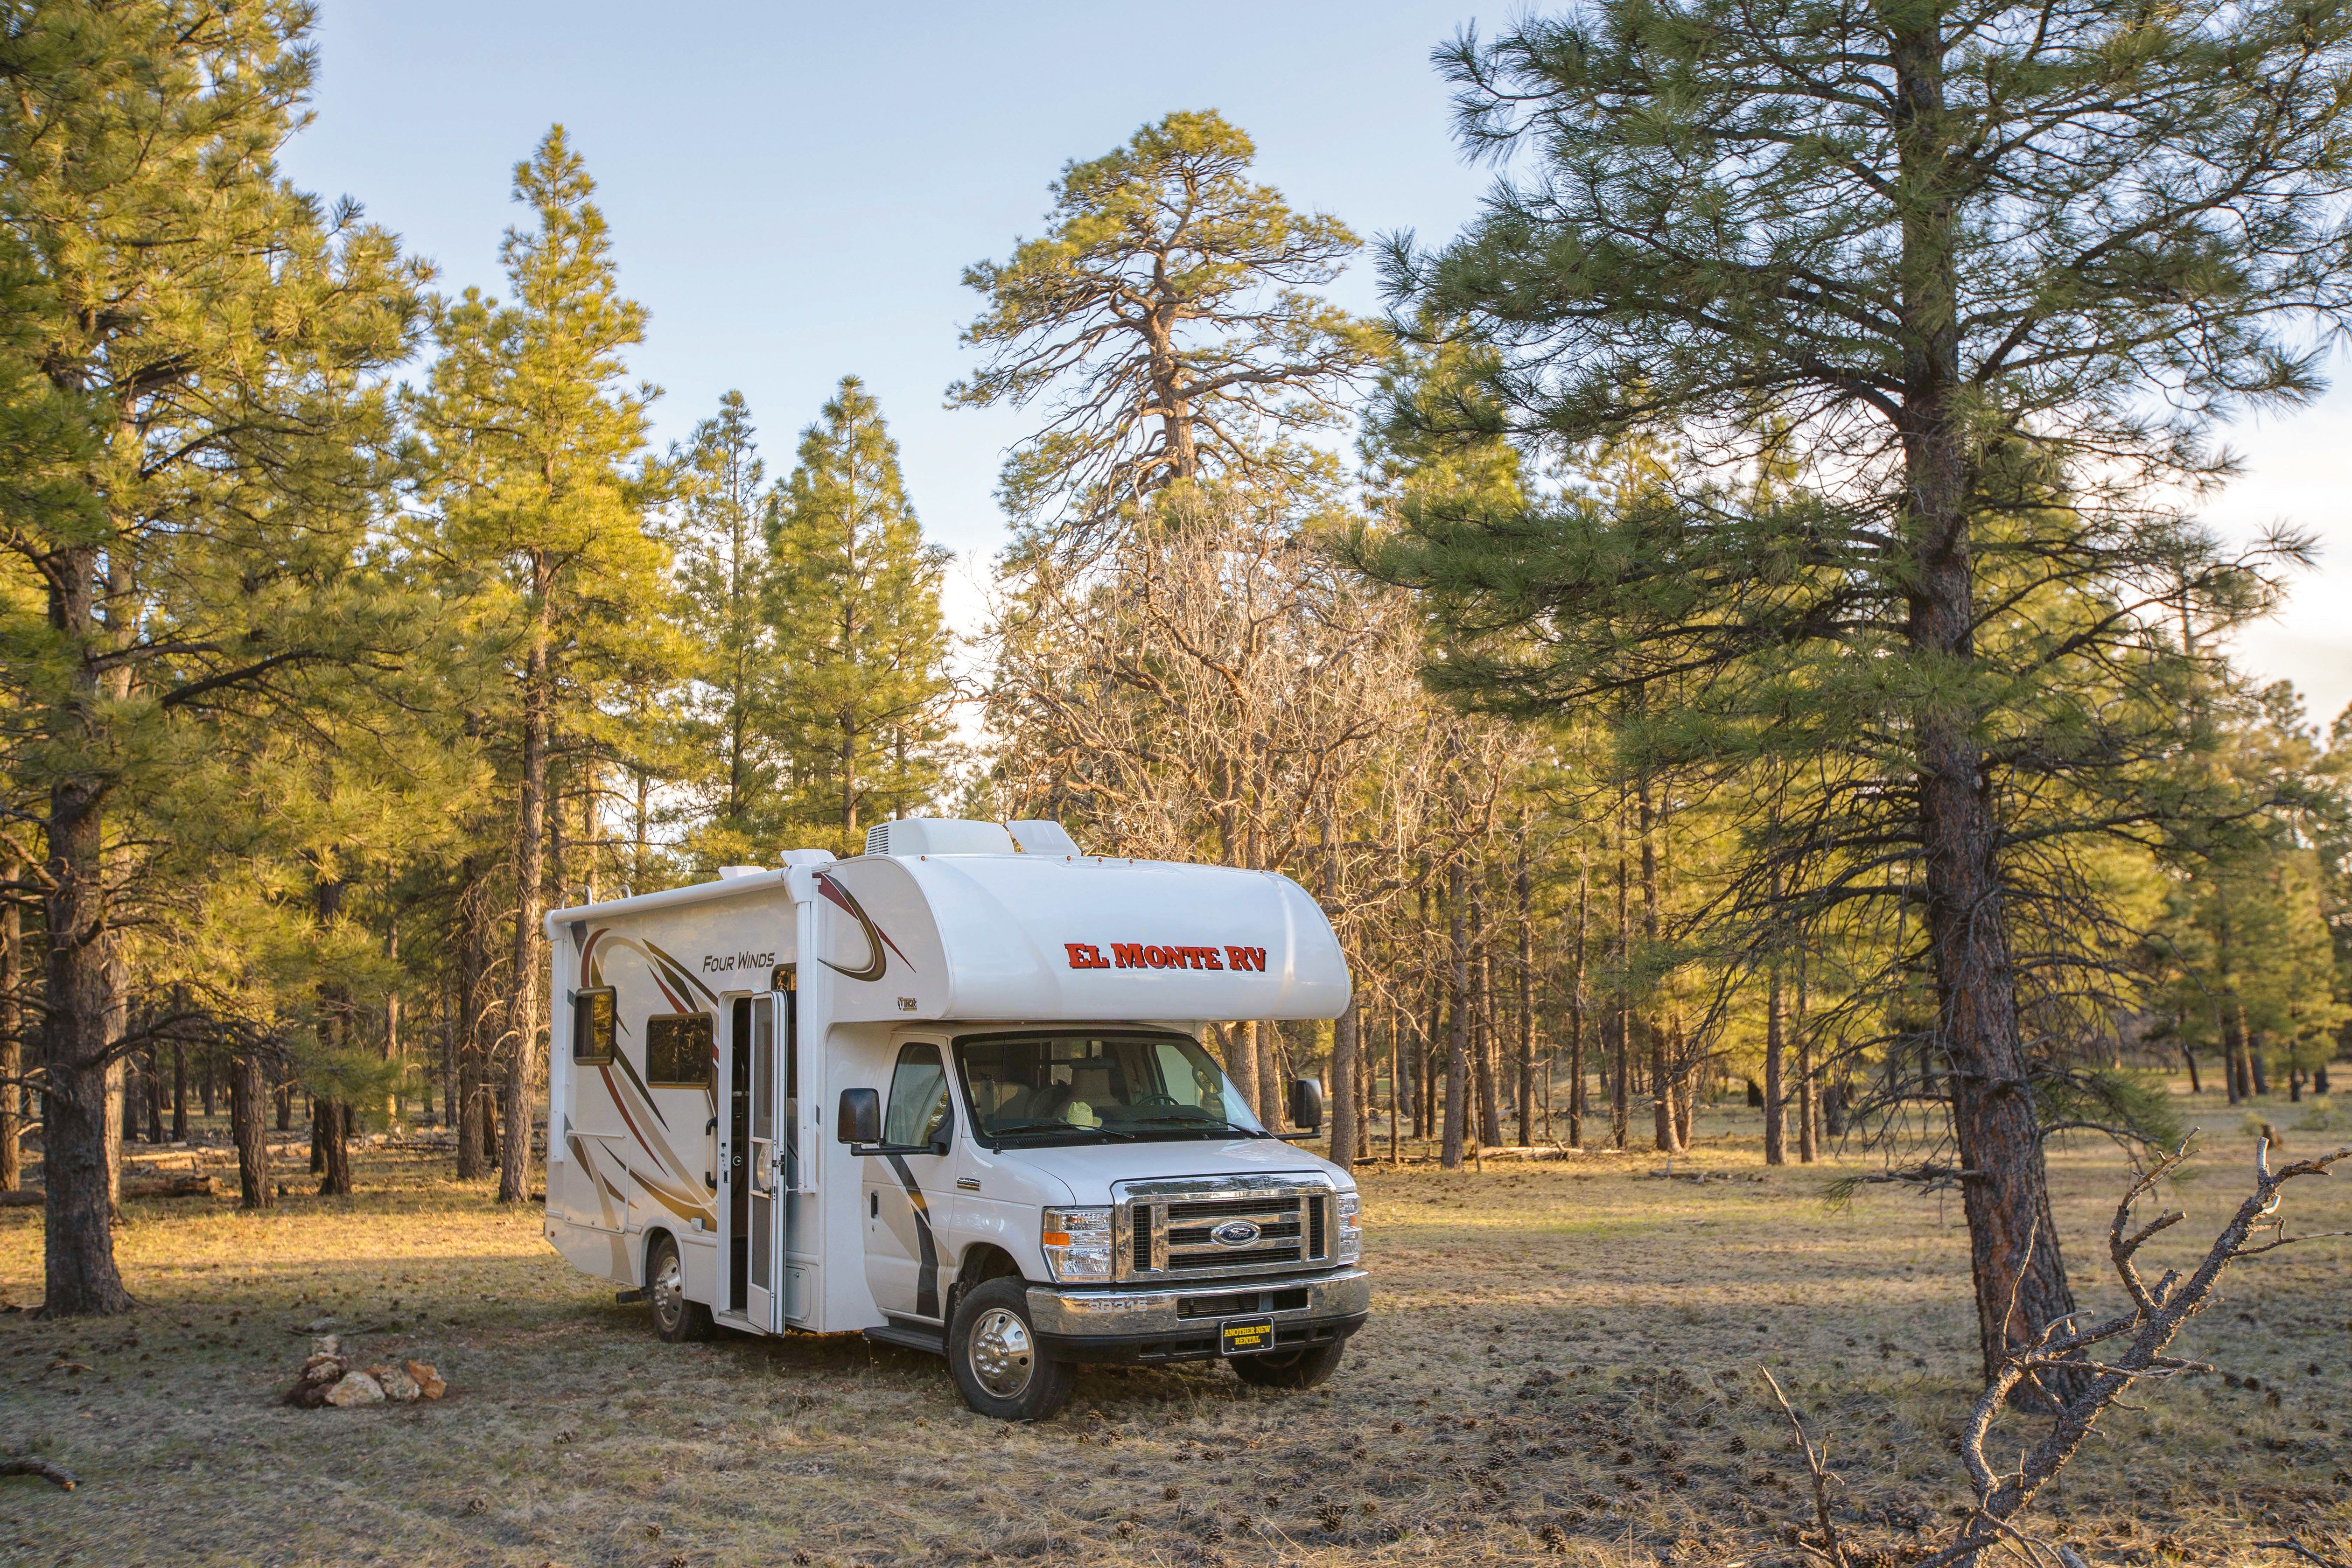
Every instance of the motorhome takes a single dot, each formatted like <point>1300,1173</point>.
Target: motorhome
<point>955,1094</point>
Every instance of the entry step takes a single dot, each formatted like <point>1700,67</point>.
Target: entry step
<point>912,1336</point>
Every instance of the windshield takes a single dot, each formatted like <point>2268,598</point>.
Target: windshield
<point>1094,1088</point>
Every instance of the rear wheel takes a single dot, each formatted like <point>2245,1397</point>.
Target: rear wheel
<point>1291,1369</point>
<point>999,1369</point>
<point>676,1319</point>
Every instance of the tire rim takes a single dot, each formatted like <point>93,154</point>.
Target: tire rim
<point>1004,1359</point>
<point>670,1290</point>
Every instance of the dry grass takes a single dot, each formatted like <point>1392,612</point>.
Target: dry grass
<point>1559,1368</point>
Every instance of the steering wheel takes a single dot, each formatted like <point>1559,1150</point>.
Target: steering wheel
<point>1153,1102</point>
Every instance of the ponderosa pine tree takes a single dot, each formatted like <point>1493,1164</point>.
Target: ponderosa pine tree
<point>1986,270</point>
<point>1165,321</point>
<point>861,646</point>
<point>188,356</point>
<point>716,529</point>
<point>529,427</point>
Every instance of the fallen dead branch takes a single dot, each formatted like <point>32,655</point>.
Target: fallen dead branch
<point>2076,1376</point>
<point>2318,1556</point>
<point>29,1466</point>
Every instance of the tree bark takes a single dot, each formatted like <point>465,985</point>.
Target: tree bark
<point>79,1076</point>
<point>1241,1064</point>
<point>530,869</point>
<point>1457,1055</point>
<point>473,963</point>
<point>1621,1097</point>
<point>1348,1094</point>
<point>334,1117</point>
<point>1775,1119</point>
<point>1523,886</point>
<point>2019,1273</point>
<point>247,1095</point>
<point>179,1093</point>
<point>13,1094</point>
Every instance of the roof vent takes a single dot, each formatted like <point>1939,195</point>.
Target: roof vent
<point>1038,836</point>
<point>907,835</point>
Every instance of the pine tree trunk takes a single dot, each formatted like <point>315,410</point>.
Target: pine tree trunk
<point>82,1110</point>
<point>246,1096</point>
<point>1348,1095</point>
<point>1809,1095</point>
<point>286,1107</point>
<point>1241,1061</point>
<point>2019,1273</point>
<point>1523,885</point>
<point>2257,1063</point>
<point>1621,1096</point>
<point>1776,1129</point>
<point>179,1094</point>
<point>13,1095</point>
<point>1576,1008</point>
<point>1457,1055</point>
<point>530,869</point>
<point>335,1116</point>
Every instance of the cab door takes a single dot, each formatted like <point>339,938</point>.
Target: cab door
<point>909,1187</point>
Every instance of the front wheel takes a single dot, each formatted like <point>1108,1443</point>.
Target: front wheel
<point>999,1369</point>
<point>676,1319</point>
<point>1292,1369</point>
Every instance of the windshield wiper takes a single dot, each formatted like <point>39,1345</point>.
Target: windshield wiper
<point>1057,1130</point>
<point>1189,1123</point>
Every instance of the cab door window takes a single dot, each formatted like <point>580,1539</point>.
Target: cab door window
<point>918,1108</point>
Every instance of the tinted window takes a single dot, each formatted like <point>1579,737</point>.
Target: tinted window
<point>677,1049</point>
<point>592,1025</point>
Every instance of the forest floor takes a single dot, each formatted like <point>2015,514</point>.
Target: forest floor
<point>572,1435</point>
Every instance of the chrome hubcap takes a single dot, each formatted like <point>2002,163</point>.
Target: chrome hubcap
<point>1002,1358</point>
<point>669,1290</point>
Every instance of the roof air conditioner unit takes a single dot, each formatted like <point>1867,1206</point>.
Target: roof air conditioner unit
<point>908,836</point>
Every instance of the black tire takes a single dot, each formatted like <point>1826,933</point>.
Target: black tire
<point>676,1319</point>
<point>993,1349</point>
<point>1291,1369</point>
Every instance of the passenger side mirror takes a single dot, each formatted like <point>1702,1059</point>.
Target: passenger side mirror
<point>860,1121</point>
<point>1307,1104</point>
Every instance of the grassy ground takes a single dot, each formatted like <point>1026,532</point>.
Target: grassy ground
<point>1561,1367</point>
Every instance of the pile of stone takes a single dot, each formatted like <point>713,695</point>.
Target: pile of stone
<point>331,1377</point>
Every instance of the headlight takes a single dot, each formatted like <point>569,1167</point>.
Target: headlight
<point>1077,1244</point>
<point>1351,1228</point>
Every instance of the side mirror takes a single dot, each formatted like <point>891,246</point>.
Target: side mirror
<point>1307,1104</point>
<point>860,1120</point>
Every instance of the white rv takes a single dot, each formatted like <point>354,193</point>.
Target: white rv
<point>952,1094</point>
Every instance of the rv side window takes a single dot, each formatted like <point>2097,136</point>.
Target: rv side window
<point>591,1025</point>
<point>677,1050</point>
<point>918,1097</point>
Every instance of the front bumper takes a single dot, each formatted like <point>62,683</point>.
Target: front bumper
<point>1179,1323</point>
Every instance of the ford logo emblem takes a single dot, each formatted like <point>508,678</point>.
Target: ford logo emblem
<point>1235,1233</point>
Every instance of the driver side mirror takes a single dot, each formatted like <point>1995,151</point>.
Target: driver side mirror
<point>1307,1104</point>
<point>860,1119</point>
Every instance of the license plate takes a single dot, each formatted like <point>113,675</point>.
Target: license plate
<point>1244,1336</point>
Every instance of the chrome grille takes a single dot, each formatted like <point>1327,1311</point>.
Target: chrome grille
<point>1166,1229</point>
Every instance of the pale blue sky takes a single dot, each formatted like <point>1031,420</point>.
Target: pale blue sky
<point>794,192</point>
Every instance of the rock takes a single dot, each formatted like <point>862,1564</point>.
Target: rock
<point>356,1388</point>
<point>397,1385</point>
<point>318,1374</point>
<point>328,1344</point>
<point>318,1326</point>
<point>429,1383</point>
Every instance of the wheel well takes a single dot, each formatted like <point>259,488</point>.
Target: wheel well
<point>646,1257</point>
<point>983,1262</point>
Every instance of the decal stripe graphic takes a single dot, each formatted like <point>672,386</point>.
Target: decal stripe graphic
<point>927,1278</point>
<point>875,940</point>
